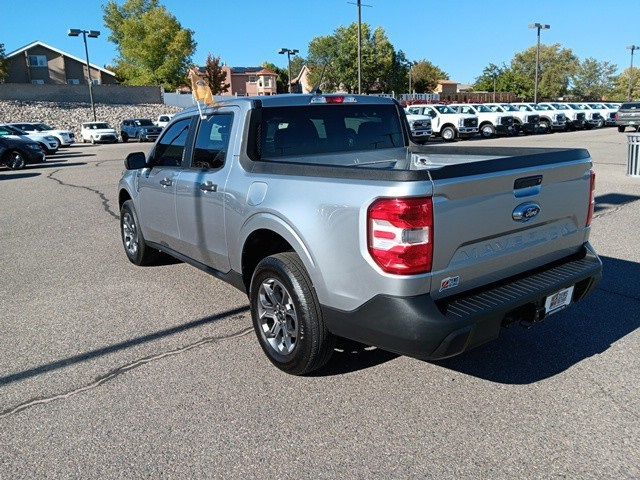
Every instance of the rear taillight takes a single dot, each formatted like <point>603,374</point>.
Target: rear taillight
<point>592,197</point>
<point>400,234</point>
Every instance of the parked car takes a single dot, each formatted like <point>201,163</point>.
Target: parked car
<point>319,208</point>
<point>608,113</point>
<point>163,120</point>
<point>446,122</point>
<point>98,132</point>
<point>15,153</point>
<point>141,129</point>
<point>65,137</point>
<point>527,122</point>
<point>576,119</point>
<point>48,143</point>
<point>592,118</point>
<point>491,123</point>
<point>628,116</point>
<point>551,119</point>
<point>419,127</point>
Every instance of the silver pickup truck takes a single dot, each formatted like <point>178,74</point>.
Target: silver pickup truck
<point>321,209</point>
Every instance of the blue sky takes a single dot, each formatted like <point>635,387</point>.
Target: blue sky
<point>460,36</point>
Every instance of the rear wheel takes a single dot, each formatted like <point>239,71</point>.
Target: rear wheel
<point>287,317</point>
<point>621,128</point>
<point>138,252</point>
<point>125,137</point>
<point>14,160</point>
<point>448,134</point>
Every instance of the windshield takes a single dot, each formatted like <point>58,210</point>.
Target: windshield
<point>495,108</point>
<point>598,106</point>
<point>482,108</point>
<point>322,129</point>
<point>559,106</point>
<point>542,108</point>
<point>444,109</point>
<point>630,106</point>
<point>96,126</point>
<point>509,108</point>
<point>611,105</point>
<point>13,130</point>
<point>42,127</point>
<point>143,122</point>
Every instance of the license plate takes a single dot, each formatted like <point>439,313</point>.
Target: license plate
<point>558,300</point>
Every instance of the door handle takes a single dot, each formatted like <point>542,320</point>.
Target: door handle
<point>208,187</point>
<point>166,182</point>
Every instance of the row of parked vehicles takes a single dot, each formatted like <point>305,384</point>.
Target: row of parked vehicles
<point>138,129</point>
<point>464,120</point>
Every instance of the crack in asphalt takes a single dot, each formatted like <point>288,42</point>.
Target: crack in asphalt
<point>112,374</point>
<point>105,201</point>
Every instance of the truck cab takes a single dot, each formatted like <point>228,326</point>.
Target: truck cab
<point>446,122</point>
<point>491,123</point>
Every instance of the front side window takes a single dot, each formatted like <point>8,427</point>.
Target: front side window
<point>482,108</point>
<point>170,147</point>
<point>212,142</point>
<point>468,110</point>
<point>444,109</point>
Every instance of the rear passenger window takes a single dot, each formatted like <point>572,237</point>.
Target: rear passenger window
<point>170,147</point>
<point>212,141</point>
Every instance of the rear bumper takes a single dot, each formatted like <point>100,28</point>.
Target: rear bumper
<point>423,328</point>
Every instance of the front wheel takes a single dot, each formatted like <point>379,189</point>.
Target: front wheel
<point>600,123</point>
<point>138,252</point>
<point>287,317</point>
<point>14,160</point>
<point>621,128</point>
<point>546,126</point>
<point>448,134</point>
<point>125,137</point>
<point>487,130</point>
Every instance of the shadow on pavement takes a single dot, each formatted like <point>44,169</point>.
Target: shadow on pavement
<point>612,200</point>
<point>53,164</point>
<point>116,347</point>
<point>589,328</point>
<point>15,176</point>
<point>350,356</point>
<point>59,156</point>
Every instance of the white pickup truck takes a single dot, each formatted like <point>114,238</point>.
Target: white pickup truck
<point>591,118</point>
<point>551,119</point>
<point>419,127</point>
<point>163,120</point>
<point>447,122</point>
<point>491,123</point>
<point>526,121</point>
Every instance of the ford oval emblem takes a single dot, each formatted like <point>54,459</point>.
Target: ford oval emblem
<point>525,212</point>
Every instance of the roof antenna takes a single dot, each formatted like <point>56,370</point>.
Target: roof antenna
<point>317,90</point>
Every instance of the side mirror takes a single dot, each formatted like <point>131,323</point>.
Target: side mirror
<point>135,161</point>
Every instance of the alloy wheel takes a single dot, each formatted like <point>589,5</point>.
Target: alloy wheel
<point>277,316</point>
<point>129,234</point>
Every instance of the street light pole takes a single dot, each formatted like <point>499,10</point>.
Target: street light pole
<point>538,26</point>
<point>633,48</point>
<point>74,32</point>
<point>289,52</point>
<point>359,47</point>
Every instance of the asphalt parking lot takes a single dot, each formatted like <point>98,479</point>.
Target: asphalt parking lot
<point>110,370</point>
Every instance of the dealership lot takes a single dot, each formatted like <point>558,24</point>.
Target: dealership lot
<point>111,370</point>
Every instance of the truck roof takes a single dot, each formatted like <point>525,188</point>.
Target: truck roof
<point>295,100</point>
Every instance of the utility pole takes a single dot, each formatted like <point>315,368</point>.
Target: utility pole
<point>289,52</point>
<point>538,26</point>
<point>633,48</point>
<point>74,32</point>
<point>359,4</point>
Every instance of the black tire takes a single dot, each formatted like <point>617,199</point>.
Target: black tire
<point>14,160</point>
<point>125,137</point>
<point>487,130</point>
<point>448,134</point>
<point>637,129</point>
<point>600,123</point>
<point>58,144</point>
<point>143,254</point>
<point>546,126</point>
<point>313,342</point>
<point>621,128</point>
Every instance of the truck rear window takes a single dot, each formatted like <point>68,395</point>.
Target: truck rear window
<point>321,129</point>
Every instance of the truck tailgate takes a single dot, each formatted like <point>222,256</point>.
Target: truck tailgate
<point>479,237</point>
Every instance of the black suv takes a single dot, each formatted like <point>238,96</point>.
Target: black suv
<point>142,129</point>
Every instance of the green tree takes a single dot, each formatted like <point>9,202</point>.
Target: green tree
<point>425,76</point>
<point>593,80</point>
<point>557,66</point>
<point>339,53</point>
<point>153,48</point>
<point>215,75</point>
<point>621,87</point>
<point>4,65</point>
